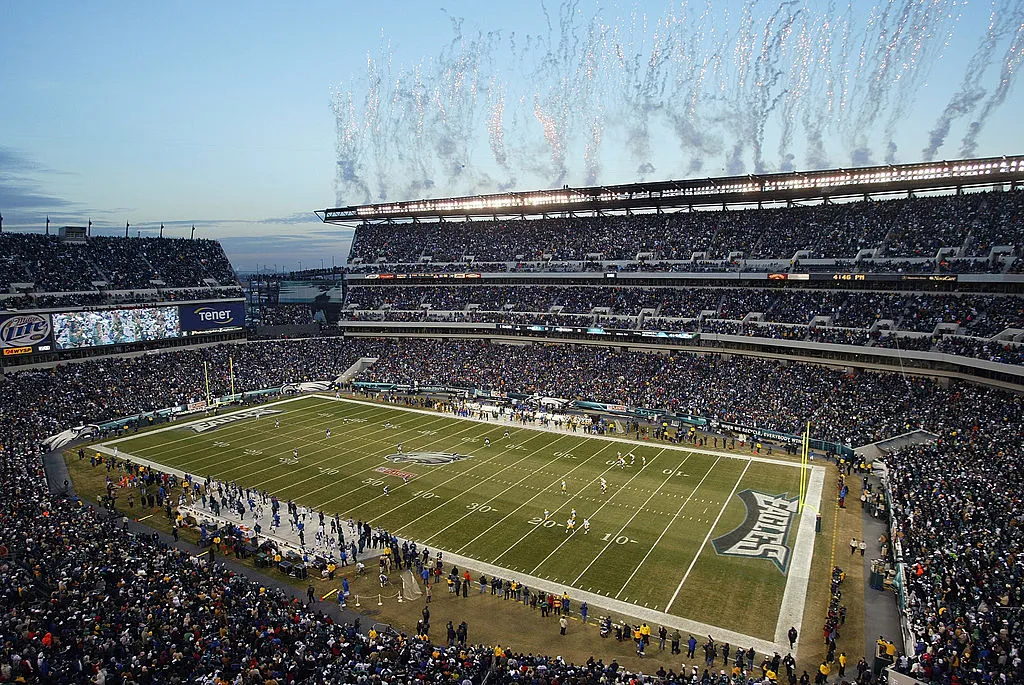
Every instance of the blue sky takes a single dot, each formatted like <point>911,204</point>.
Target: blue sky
<point>227,115</point>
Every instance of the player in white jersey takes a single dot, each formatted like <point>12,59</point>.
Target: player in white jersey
<point>547,514</point>
<point>573,515</point>
<point>487,442</point>
<point>277,423</point>
<point>328,432</point>
<point>295,453</point>
<point>604,486</point>
<point>506,435</point>
<point>386,490</point>
<point>586,526</point>
<point>399,450</point>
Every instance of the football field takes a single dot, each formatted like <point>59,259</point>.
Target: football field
<point>704,536</point>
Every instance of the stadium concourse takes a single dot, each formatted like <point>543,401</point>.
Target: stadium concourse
<point>70,615</point>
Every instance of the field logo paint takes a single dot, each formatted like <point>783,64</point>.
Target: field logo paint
<point>66,437</point>
<point>763,533</point>
<point>24,330</point>
<point>218,421</point>
<point>398,473</point>
<point>312,386</point>
<point>426,458</point>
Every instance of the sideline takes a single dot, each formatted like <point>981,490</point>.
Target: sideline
<point>628,441</point>
<point>650,616</point>
<point>56,468</point>
<point>794,597</point>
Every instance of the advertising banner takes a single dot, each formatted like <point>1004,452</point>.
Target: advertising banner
<point>25,334</point>
<point>210,316</point>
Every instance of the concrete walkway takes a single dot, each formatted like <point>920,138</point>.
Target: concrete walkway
<point>881,616</point>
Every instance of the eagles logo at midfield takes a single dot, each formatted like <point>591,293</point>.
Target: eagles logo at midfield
<point>427,458</point>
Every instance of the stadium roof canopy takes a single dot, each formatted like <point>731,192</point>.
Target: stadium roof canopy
<point>722,191</point>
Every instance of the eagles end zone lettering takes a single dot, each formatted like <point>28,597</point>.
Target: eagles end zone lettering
<point>763,533</point>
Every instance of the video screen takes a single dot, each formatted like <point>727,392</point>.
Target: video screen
<point>299,292</point>
<point>115,326</point>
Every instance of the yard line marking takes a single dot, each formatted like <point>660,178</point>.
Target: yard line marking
<point>457,476</point>
<point>469,426</point>
<point>707,537</point>
<point>673,520</point>
<point>373,456</point>
<point>189,422</point>
<point>238,429</point>
<point>628,521</point>
<point>270,433</point>
<point>333,453</point>
<point>540,491</point>
<point>390,412</point>
<point>187,466</point>
<point>511,485</point>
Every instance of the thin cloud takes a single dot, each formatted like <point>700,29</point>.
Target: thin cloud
<point>21,191</point>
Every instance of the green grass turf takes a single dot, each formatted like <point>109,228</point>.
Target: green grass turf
<point>646,529</point>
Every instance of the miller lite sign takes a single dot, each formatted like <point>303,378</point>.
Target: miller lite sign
<point>25,332</point>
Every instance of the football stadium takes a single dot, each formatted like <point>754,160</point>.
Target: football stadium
<point>748,428</point>
<point>646,441</point>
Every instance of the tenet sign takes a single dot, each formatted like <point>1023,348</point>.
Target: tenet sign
<point>211,316</point>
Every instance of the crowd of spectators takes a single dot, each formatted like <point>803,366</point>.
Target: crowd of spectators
<point>1002,351</point>
<point>980,315</point>
<point>910,265</point>
<point>52,264</point>
<point>84,601</point>
<point>956,515</point>
<point>106,298</point>
<point>284,315</point>
<point>769,393</point>
<point>895,341</point>
<point>908,227</point>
